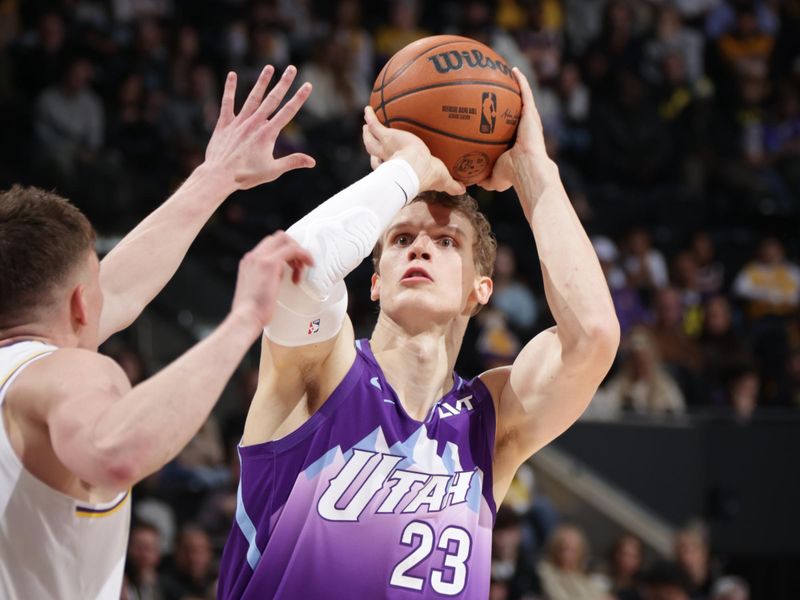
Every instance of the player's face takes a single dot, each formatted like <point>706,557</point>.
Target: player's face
<point>427,268</point>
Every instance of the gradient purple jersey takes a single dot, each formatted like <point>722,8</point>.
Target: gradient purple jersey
<point>363,501</point>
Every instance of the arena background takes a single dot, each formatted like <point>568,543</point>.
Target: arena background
<point>676,127</point>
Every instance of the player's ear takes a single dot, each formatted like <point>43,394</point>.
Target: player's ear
<point>483,289</point>
<point>78,307</point>
<point>375,288</point>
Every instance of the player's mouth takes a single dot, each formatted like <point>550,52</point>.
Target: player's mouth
<point>416,275</point>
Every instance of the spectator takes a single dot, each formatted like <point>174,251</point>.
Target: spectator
<point>617,49</point>
<point>218,508</point>
<point>192,573</point>
<point>711,272</point>
<point>186,53</point>
<point>541,43</point>
<point>644,265</point>
<point>402,29</point>
<point>188,119</point>
<point>730,587</point>
<point>724,349</point>
<point>355,40</point>
<point>747,45</point>
<point>477,23</point>
<point>69,122</point>
<point>672,37</point>
<point>769,284</point>
<point>743,393</point>
<point>642,387</point>
<point>511,568</point>
<point>678,350</point>
<point>142,580</point>
<point>511,296</point>
<point>563,571</point>
<point>693,556</point>
<point>686,279</point>
<point>339,91</point>
<point>625,566</point>
<point>627,302</point>
<point>202,461</point>
<point>497,344</point>
<point>782,139</point>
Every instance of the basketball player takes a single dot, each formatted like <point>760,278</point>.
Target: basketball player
<point>369,468</point>
<point>75,436</point>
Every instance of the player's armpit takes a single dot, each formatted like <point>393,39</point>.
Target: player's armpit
<point>71,390</point>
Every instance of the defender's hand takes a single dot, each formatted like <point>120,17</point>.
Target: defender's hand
<point>242,145</point>
<point>529,143</point>
<point>384,143</point>
<point>260,274</point>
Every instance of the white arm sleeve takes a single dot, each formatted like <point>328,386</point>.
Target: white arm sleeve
<point>339,234</point>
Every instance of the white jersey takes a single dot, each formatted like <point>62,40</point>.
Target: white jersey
<point>52,545</point>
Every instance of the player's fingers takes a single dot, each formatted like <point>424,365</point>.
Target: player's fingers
<point>257,93</point>
<point>226,106</point>
<point>528,101</point>
<point>455,188</point>
<point>373,124</point>
<point>371,143</point>
<point>287,113</point>
<point>275,97</point>
<point>294,161</point>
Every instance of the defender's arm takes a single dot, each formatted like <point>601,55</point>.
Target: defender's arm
<point>239,156</point>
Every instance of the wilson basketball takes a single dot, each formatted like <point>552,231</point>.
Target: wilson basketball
<point>458,95</point>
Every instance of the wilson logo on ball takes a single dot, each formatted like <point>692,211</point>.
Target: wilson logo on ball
<point>444,62</point>
<point>488,112</point>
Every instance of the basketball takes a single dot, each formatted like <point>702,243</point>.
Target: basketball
<point>455,93</point>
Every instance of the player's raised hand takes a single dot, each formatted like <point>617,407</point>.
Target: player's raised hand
<point>260,274</point>
<point>383,143</point>
<point>242,145</point>
<point>529,142</point>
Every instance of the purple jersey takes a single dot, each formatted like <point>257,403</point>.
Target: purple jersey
<point>362,501</point>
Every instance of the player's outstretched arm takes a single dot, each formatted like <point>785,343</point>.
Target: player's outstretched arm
<point>555,376</point>
<point>239,156</point>
<point>112,436</point>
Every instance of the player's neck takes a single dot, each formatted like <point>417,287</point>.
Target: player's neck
<point>47,333</point>
<point>419,366</point>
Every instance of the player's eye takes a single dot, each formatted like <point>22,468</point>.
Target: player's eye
<point>402,239</point>
<point>447,242</point>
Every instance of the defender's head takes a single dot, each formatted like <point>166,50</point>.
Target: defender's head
<point>434,261</point>
<point>50,271</point>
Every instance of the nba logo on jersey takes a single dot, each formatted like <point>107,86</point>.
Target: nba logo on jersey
<point>313,326</point>
<point>488,111</point>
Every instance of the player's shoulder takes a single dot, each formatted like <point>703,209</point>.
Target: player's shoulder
<point>64,372</point>
<point>494,380</point>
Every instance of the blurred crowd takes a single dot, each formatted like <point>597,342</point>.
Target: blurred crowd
<point>539,555</point>
<point>676,128</point>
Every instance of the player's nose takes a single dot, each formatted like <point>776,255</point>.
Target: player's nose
<point>420,248</point>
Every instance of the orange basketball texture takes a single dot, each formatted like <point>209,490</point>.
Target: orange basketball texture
<point>458,95</point>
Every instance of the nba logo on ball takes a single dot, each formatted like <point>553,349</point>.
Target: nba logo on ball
<point>488,112</point>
